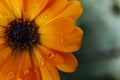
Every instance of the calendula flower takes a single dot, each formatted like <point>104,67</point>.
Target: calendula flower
<point>37,38</point>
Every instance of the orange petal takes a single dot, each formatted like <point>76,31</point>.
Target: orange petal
<point>73,9</point>
<point>50,55</point>
<point>17,67</point>
<point>70,63</point>
<point>31,8</point>
<point>5,69</point>
<point>37,73</point>
<point>26,72</point>
<point>58,26</point>
<point>8,70</point>
<point>66,43</point>
<point>2,31</point>
<point>38,56</point>
<point>5,52</point>
<point>53,8</point>
<point>2,34</point>
<point>2,40</point>
<point>2,46</point>
<point>6,15</point>
<point>49,72</point>
<point>15,6</point>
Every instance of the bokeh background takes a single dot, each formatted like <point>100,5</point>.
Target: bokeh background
<point>99,56</point>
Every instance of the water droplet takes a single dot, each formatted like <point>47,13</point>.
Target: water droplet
<point>51,56</point>
<point>35,70</point>
<point>26,71</point>
<point>51,33</point>
<point>5,57</point>
<point>62,39</point>
<point>45,16</point>
<point>12,75</point>
<point>17,9</point>
<point>42,63</point>
<point>32,14</point>
<point>36,5</point>
<point>66,48</point>
<point>19,78</point>
<point>62,33</point>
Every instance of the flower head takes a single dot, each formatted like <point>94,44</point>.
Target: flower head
<point>37,38</point>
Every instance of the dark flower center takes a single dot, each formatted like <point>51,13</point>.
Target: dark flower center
<point>22,35</point>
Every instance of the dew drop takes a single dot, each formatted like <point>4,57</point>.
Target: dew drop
<point>19,78</point>
<point>62,33</point>
<point>32,14</point>
<point>66,48</point>
<point>12,75</point>
<point>51,33</point>
<point>42,63</point>
<point>45,16</point>
<point>51,56</point>
<point>26,71</point>
<point>17,9</point>
<point>5,57</point>
<point>62,39</point>
<point>36,5</point>
<point>35,70</point>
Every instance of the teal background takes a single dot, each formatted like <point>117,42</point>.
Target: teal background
<point>99,56</point>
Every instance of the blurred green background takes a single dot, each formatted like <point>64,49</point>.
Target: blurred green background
<point>99,56</point>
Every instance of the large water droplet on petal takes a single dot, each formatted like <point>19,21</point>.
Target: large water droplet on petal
<point>42,63</point>
<point>51,56</point>
<point>12,75</point>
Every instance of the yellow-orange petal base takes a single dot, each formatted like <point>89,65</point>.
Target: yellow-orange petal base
<point>59,37</point>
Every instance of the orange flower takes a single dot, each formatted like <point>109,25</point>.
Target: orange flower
<point>37,38</point>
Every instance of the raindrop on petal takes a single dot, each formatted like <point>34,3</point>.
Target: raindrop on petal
<point>36,5</point>
<point>35,70</point>
<point>62,39</point>
<point>19,78</point>
<point>32,14</point>
<point>26,71</point>
<point>5,57</point>
<point>51,33</point>
<point>51,56</point>
<point>62,33</point>
<point>42,63</point>
<point>45,16</point>
<point>12,75</point>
